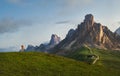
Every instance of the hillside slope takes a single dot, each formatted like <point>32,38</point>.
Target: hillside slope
<point>40,64</point>
<point>107,58</point>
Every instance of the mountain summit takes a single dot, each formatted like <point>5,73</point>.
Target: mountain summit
<point>91,34</point>
<point>54,40</point>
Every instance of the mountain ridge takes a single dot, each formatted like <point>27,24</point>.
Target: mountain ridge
<point>44,47</point>
<point>89,33</point>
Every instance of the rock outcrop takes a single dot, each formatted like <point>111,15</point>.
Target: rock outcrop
<point>30,48</point>
<point>54,40</point>
<point>89,33</point>
<point>118,31</point>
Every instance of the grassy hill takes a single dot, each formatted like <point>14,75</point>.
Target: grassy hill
<point>41,64</point>
<point>107,58</point>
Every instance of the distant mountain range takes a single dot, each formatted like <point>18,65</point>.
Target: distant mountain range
<point>44,47</point>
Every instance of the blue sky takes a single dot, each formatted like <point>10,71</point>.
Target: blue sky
<point>33,21</point>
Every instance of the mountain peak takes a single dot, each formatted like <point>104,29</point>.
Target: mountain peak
<point>53,35</point>
<point>89,19</point>
<point>92,34</point>
<point>54,39</point>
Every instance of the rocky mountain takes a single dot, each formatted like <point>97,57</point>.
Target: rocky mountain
<point>54,40</point>
<point>91,34</point>
<point>45,47</point>
<point>30,48</point>
<point>118,31</point>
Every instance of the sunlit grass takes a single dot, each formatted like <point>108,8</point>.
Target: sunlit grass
<point>40,64</point>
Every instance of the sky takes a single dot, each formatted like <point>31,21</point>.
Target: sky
<point>24,22</point>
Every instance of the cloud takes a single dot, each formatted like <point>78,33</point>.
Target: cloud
<point>9,25</point>
<point>20,2</point>
<point>70,6</point>
<point>15,1</point>
<point>118,22</point>
<point>74,3</point>
<point>62,22</point>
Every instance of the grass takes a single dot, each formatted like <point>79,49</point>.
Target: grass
<point>109,59</point>
<point>41,64</point>
<point>81,55</point>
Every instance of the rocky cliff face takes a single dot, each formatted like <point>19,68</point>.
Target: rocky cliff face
<point>118,31</point>
<point>54,40</point>
<point>92,34</point>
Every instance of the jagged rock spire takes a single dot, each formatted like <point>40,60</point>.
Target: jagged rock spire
<point>54,39</point>
<point>87,24</point>
<point>89,19</point>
